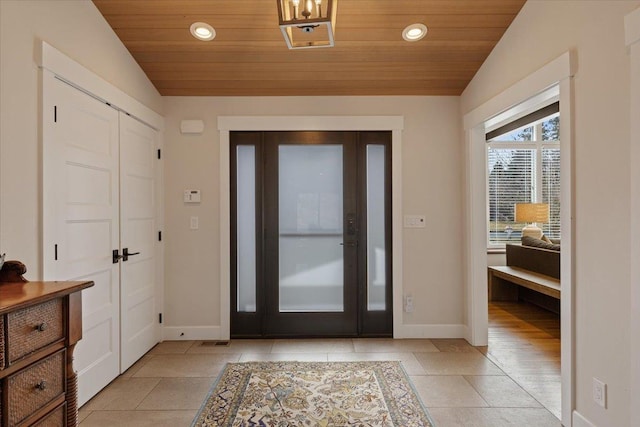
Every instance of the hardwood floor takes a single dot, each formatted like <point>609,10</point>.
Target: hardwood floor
<point>524,341</point>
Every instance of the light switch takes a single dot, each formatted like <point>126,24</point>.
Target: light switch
<point>193,224</point>
<point>415,221</point>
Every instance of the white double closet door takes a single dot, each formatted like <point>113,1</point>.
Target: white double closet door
<point>99,196</point>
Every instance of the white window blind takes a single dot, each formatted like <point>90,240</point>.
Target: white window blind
<point>511,181</point>
<point>523,162</point>
<point>551,190</point>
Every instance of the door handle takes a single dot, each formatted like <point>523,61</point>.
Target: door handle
<point>126,254</point>
<point>351,244</point>
<point>115,256</point>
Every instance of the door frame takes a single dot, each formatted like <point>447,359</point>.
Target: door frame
<point>356,319</point>
<point>227,124</point>
<point>559,72</point>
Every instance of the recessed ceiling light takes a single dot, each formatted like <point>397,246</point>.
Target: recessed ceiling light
<point>414,32</point>
<point>202,31</point>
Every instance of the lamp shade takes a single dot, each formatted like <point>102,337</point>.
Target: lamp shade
<point>532,212</point>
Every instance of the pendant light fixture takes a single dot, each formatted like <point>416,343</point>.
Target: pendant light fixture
<point>307,23</point>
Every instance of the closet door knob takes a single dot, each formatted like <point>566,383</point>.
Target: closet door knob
<point>115,256</point>
<point>126,254</point>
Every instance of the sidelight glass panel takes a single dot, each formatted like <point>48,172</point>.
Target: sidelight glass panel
<point>246,228</point>
<point>311,267</point>
<point>376,254</point>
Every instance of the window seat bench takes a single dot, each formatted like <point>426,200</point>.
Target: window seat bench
<point>531,274</point>
<point>541,283</point>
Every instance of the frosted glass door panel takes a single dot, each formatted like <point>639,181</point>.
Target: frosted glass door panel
<point>246,227</point>
<point>376,255</point>
<point>311,266</point>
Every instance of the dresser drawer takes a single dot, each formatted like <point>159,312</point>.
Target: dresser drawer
<point>34,327</point>
<point>56,418</point>
<point>35,386</point>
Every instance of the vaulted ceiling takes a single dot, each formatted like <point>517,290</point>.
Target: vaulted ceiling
<point>249,55</point>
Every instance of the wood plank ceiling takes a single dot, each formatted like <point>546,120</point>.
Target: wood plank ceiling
<point>249,55</point>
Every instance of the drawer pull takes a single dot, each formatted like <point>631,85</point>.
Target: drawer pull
<point>42,385</point>
<point>40,327</point>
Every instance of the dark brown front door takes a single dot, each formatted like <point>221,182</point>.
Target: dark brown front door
<point>311,234</point>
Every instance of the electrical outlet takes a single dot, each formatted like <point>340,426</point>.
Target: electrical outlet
<point>408,304</point>
<point>599,392</point>
<point>193,223</point>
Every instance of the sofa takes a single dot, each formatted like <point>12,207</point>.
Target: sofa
<point>535,255</point>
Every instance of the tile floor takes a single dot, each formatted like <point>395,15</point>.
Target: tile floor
<point>458,384</point>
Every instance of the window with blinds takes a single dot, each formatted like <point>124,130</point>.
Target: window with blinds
<point>523,160</point>
<point>551,190</point>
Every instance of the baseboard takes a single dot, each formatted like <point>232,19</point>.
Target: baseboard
<point>580,421</point>
<point>467,336</point>
<point>187,333</point>
<point>430,331</point>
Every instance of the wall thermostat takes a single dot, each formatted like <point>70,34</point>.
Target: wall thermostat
<point>192,196</point>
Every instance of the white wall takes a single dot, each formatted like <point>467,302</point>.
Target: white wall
<point>432,185</point>
<point>77,29</point>
<point>594,31</point>
<point>496,259</point>
<point>632,27</point>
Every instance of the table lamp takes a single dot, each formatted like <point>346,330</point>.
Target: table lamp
<point>532,213</point>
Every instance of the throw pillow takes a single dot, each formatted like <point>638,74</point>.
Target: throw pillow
<point>539,243</point>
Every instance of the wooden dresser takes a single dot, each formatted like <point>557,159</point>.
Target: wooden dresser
<point>40,324</point>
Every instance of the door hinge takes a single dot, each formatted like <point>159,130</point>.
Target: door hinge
<point>159,236</point>
<point>159,154</point>
<point>55,114</point>
<point>159,317</point>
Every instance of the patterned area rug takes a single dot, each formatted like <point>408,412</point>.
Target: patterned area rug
<point>327,394</point>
